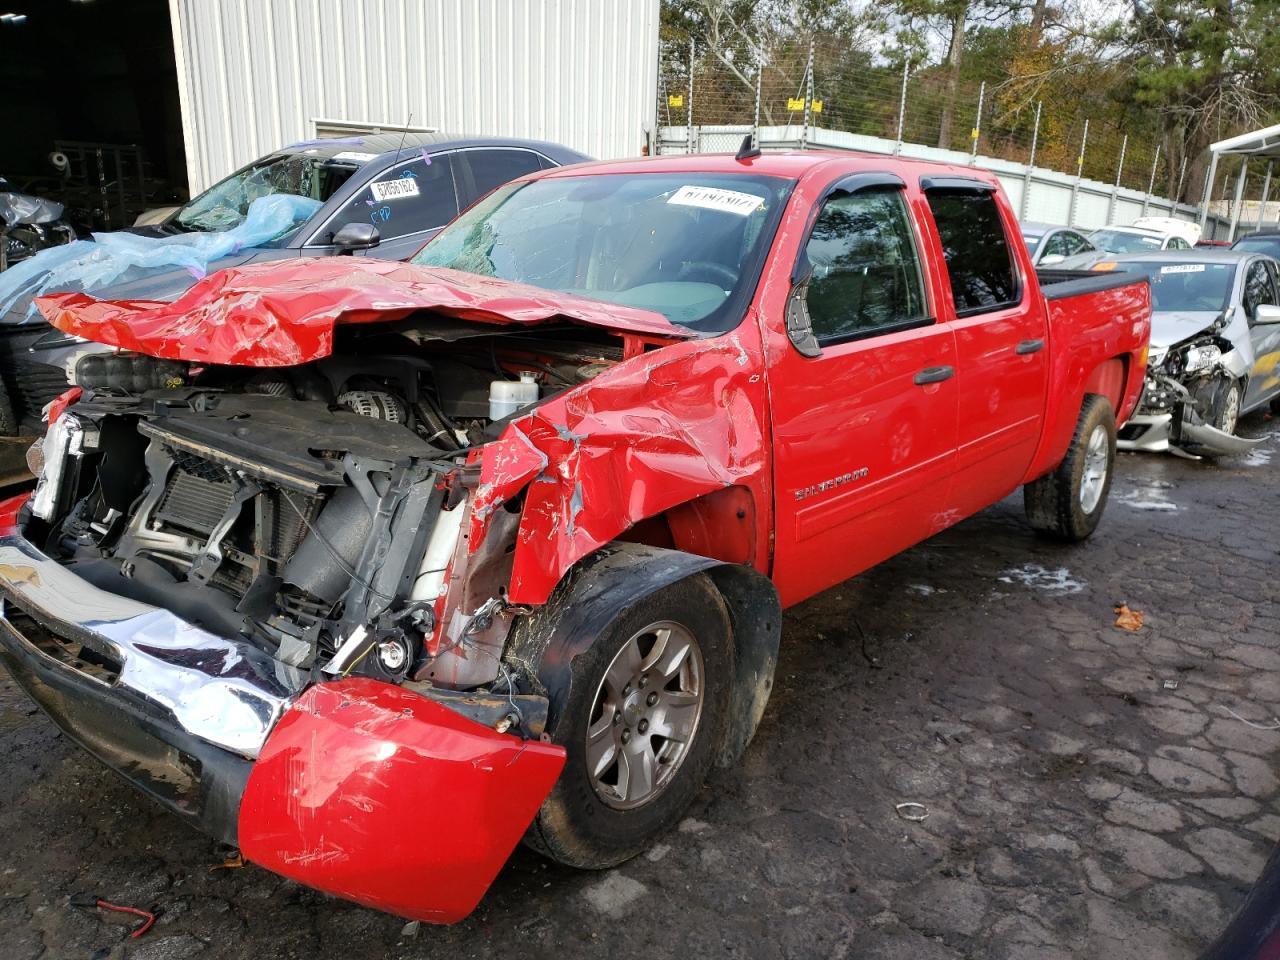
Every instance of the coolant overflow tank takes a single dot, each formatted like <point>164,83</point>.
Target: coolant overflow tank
<point>508,396</point>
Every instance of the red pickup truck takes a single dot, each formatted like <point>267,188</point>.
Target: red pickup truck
<point>373,569</point>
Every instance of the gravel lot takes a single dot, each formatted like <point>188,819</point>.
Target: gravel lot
<point>1088,792</point>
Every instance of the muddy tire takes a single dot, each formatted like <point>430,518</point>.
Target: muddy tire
<point>1067,503</point>
<point>664,666</point>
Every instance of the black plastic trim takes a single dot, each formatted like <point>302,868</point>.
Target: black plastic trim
<point>957,183</point>
<point>1059,284</point>
<point>204,784</point>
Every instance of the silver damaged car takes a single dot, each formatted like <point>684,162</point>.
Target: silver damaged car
<point>1215,348</point>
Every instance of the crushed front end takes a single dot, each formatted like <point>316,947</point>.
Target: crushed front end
<point>1176,410</point>
<point>252,593</point>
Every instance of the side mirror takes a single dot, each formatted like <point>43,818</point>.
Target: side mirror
<point>1266,313</point>
<point>1050,259</point>
<point>799,329</point>
<point>356,236</point>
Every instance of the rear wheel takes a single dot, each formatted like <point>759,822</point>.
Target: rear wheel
<point>640,723</point>
<point>1067,504</point>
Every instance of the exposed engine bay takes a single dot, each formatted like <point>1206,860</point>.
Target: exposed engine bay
<point>1183,395</point>
<point>315,510</point>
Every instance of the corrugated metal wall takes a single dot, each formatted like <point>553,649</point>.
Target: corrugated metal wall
<point>254,74</point>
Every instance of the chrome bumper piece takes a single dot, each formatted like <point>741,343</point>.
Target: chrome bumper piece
<point>223,692</point>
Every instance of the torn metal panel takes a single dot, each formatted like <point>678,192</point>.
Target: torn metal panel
<point>284,313</point>
<point>352,762</point>
<point>643,437</point>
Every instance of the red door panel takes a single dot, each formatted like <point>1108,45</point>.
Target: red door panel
<point>1001,400</point>
<point>862,455</point>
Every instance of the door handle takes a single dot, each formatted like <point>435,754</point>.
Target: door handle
<point>934,375</point>
<point>1029,346</point>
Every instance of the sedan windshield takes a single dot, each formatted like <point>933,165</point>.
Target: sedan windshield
<point>225,204</point>
<point>1181,286</point>
<point>1121,241</point>
<point>1268,245</point>
<point>688,246</point>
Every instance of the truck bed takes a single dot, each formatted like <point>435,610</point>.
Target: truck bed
<point>1057,284</point>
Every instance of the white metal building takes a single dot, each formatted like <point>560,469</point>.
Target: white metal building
<point>254,75</point>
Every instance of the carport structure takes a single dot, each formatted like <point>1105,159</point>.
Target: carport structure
<point>1258,145</point>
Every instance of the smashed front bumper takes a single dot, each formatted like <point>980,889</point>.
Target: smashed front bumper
<point>357,787</point>
<point>1174,425</point>
<point>1146,432</point>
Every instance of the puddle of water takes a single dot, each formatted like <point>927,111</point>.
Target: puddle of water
<point>1258,456</point>
<point>1146,498</point>
<point>1042,578</point>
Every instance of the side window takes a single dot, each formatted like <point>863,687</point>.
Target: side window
<point>1177,243</point>
<point>976,249</point>
<point>1077,243</point>
<point>408,198</point>
<point>1258,287</point>
<point>866,272</point>
<point>493,168</point>
<point>1059,245</point>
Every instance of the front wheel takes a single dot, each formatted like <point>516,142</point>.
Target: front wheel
<point>644,712</point>
<point>1224,406</point>
<point>1067,503</point>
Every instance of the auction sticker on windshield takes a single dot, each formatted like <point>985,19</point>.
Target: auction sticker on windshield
<point>394,189</point>
<point>712,198</point>
<point>1184,268</point>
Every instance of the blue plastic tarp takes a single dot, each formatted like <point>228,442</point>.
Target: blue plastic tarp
<point>88,265</point>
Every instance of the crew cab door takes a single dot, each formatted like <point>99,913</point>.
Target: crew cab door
<point>1001,341</point>
<point>863,398</point>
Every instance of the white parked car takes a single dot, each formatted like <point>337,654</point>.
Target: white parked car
<point>1147,235</point>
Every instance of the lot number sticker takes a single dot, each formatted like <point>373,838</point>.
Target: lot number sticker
<point>711,198</point>
<point>394,189</point>
<point>1183,268</point>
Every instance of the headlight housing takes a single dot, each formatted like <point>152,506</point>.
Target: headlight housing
<point>1201,357</point>
<point>68,437</point>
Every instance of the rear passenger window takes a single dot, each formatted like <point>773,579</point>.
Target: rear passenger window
<point>493,168</point>
<point>866,274</point>
<point>976,249</point>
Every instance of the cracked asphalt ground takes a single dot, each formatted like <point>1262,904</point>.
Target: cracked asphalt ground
<point>1088,792</point>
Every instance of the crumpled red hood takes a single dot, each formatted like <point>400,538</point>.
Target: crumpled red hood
<point>283,313</point>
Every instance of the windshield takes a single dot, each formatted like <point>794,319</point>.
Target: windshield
<point>1118,241</point>
<point>688,246</point>
<point>1181,286</point>
<point>225,204</point>
<point>1267,245</point>
<point>1032,242</point>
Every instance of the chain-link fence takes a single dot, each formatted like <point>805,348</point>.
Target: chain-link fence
<point>813,83</point>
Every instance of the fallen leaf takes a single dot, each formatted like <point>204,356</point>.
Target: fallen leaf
<point>1127,619</point>
<point>231,863</point>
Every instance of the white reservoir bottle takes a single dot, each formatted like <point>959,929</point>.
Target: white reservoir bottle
<point>508,396</point>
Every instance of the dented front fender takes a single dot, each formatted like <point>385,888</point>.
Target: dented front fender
<point>373,793</point>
